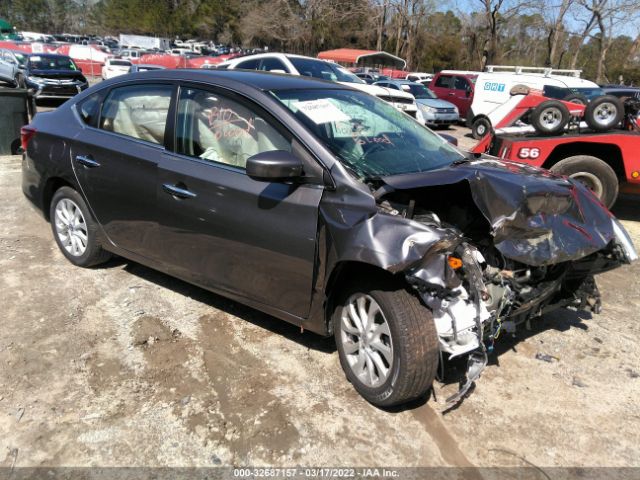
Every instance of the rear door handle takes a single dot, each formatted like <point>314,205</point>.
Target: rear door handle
<point>87,161</point>
<point>177,191</point>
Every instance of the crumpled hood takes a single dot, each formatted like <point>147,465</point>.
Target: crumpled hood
<point>536,218</point>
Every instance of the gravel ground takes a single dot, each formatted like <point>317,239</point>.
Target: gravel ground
<point>124,366</point>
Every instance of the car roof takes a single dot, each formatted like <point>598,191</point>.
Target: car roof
<point>260,80</point>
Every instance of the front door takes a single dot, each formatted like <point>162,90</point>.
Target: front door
<point>220,228</point>
<point>116,164</point>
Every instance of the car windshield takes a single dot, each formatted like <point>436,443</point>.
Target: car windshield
<point>43,62</point>
<point>369,136</point>
<point>324,70</point>
<point>418,90</point>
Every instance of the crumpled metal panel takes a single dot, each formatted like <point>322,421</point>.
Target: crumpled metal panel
<point>536,218</point>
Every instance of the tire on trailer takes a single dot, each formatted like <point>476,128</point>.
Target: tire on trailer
<point>391,359</point>
<point>550,117</point>
<point>74,229</point>
<point>578,98</point>
<point>480,127</point>
<point>604,113</point>
<point>597,175</point>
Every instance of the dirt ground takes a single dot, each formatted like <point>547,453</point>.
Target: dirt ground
<point>124,366</point>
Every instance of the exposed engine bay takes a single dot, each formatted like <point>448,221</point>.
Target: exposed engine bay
<point>520,253</point>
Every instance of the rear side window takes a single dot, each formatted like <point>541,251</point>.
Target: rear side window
<point>138,111</point>
<point>444,81</point>
<point>249,64</point>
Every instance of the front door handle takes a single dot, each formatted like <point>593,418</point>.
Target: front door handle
<point>87,161</point>
<point>177,191</point>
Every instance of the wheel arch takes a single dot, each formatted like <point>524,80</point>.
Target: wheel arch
<point>607,152</point>
<point>347,271</point>
<point>52,185</point>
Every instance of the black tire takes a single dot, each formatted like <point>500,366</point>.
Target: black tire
<point>550,117</point>
<point>594,173</point>
<point>604,113</point>
<point>93,254</point>
<point>578,98</point>
<point>480,128</point>
<point>412,335</point>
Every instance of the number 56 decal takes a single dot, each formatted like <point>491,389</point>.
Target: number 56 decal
<point>526,152</point>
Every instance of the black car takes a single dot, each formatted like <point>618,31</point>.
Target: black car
<point>53,76</point>
<point>323,206</point>
<point>623,92</point>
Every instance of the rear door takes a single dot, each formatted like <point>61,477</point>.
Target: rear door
<point>220,228</point>
<point>115,160</point>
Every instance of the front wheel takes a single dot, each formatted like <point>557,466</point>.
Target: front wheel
<point>593,173</point>
<point>75,230</point>
<point>20,82</point>
<point>387,342</point>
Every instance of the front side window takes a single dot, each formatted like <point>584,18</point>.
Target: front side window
<point>219,129</point>
<point>461,83</point>
<point>444,81</point>
<point>369,136</point>
<point>138,111</point>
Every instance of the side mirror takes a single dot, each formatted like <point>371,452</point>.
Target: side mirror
<point>450,138</point>
<point>273,166</point>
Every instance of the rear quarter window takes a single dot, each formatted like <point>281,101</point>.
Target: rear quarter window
<point>89,109</point>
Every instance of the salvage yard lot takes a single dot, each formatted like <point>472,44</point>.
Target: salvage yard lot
<point>121,365</point>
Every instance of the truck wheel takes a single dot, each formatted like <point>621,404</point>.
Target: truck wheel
<point>604,113</point>
<point>480,128</point>
<point>387,341</point>
<point>578,98</point>
<point>550,117</point>
<point>593,173</point>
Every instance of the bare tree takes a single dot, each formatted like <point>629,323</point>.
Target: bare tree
<point>554,14</point>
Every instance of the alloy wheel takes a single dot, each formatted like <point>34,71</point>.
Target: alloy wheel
<point>71,227</point>
<point>366,340</point>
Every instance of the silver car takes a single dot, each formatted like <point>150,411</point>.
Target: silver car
<point>436,112</point>
<point>11,65</point>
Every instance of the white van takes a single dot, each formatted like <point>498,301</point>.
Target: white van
<point>493,91</point>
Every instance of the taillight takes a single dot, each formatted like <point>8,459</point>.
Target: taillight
<point>25,135</point>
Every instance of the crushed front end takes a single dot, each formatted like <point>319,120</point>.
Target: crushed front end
<point>542,242</point>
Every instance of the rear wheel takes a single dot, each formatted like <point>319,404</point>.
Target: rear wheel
<point>480,128</point>
<point>593,173</point>
<point>604,113</point>
<point>386,341</point>
<point>550,117</point>
<point>75,230</point>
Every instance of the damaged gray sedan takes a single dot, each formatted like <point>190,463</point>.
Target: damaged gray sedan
<point>323,206</point>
